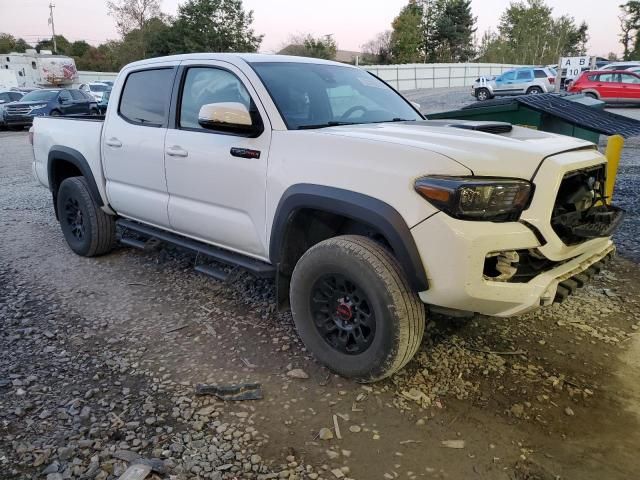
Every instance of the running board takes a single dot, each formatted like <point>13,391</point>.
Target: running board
<point>258,268</point>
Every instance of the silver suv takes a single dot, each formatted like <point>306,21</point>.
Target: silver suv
<point>520,81</point>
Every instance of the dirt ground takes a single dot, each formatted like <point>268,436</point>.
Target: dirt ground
<point>99,359</point>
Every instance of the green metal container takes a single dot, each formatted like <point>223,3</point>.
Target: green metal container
<point>518,114</point>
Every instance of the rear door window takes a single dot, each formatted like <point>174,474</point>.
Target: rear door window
<point>146,96</point>
<point>524,75</point>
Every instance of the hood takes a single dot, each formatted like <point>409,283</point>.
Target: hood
<point>28,104</point>
<point>516,153</point>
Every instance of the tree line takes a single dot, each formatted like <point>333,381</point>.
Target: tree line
<point>146,32</point>
<point>429,31</point>
<point>444,31</point>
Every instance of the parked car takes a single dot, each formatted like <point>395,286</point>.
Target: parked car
<point>109,83</point>
<point>519,81</point>
<point>319,175</point>
<point>96,89</point>
<point>6,97</point>
<point>610,86</point>
<point>621,65</point>
<point>49,102</point>
<point>104,102</point>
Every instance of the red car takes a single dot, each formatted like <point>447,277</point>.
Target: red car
<point>617,86</point>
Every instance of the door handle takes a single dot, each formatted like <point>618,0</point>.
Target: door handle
<point>176,151</point>
<point>113,142</point>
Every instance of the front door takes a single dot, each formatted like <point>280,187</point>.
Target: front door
<point>66,104</point>
<point>217,180</point>
<point>505,83</point>
<point>133,145</point>
<point>80,101</point>
<point>629,88</point>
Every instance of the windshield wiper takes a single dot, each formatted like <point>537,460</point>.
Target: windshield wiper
<point>398,119</point>
<point>324,125</point>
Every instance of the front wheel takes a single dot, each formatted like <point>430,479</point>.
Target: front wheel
<point>354,309</point>
<point>54,113</point>
<point>483,94</point>
<point>88,230</point>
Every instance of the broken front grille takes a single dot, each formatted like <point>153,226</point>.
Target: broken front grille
<point>580,211</point>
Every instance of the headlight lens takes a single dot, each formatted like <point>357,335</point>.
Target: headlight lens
<point>477,198</point>
<point>36,107</point>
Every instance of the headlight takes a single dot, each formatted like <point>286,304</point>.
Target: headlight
<point>477,198</point>
<point>36,107</point>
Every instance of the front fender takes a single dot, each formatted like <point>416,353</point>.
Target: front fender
<point>356,206</point>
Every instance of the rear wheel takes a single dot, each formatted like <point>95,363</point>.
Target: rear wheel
<point>483,94</point>
<point>87,229</point>
<point>354,309</point>
<point>54,113</point>
<point>534,91</point>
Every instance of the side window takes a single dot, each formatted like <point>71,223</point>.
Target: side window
<point>4,97</point>
<point>204,85</point>
<point>145,97</point>
<point>540,74</point>
<point>64,96</point>
<point>626,78</point>
<point>77,95</point>
<point>523,75</point>
<point>607,77</point>
<point>508,76</point>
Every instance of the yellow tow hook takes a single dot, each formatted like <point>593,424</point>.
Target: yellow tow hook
<point>613,153</point>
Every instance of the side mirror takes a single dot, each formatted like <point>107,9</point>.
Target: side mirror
<point>230,116</point>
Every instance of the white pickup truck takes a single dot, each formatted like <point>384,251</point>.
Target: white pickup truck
<point>323,177</point>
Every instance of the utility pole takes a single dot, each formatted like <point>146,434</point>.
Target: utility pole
<point>53,28</point>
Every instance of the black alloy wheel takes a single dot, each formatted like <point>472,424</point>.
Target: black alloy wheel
<point>342,314</point>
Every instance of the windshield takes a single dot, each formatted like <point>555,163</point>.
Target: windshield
<point>98,88</point>
<point>39,96</point>
<point>315,96</point>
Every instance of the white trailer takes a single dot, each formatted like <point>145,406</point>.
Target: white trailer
<point>42,69</point>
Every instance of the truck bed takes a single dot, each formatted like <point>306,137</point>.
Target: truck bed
<point>81,133</point>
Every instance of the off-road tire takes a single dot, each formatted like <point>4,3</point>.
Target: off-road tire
<point>398,312</point>
<point>99,228</point>
<point>534,91</point>
<point>483,94</point>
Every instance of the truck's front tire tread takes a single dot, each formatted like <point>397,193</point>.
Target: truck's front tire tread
<point>403,312</point>
<point>100,227</point>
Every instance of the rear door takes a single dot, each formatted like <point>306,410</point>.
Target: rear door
<point>216,179</point>
<point>629,88</point>
<point>133,144</point>
<point>523,80</point>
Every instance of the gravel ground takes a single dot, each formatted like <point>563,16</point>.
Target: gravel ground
<point>99,359</point>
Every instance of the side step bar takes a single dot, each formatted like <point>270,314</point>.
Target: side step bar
<point>256,267</point>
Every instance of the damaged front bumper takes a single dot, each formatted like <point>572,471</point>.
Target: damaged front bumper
<point>455,255</point>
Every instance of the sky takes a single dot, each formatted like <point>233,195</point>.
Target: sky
<point>352,22</point>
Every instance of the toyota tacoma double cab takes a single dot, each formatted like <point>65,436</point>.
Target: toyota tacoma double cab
<point>324,178</point>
